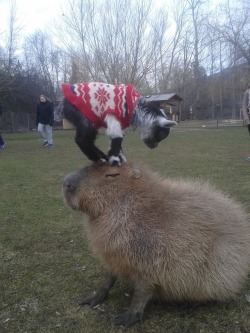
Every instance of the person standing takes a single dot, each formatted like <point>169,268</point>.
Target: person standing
<point>246,111</point>
<point>246,107</point>
<point>2,143</point>
<point>45,120</point>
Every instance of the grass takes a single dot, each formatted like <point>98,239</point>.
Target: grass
<point>46,264</point>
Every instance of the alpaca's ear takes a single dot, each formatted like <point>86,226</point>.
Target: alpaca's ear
<point>141,101</point>
<point>164,122</point>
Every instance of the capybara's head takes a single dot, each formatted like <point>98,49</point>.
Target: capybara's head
<point>94,187</point>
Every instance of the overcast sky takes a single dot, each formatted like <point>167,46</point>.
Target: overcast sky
<point>36,14</point>
<point>31,15</point>
<point>39,13</point>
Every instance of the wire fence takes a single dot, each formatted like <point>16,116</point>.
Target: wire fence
<point>211,123</point>
<point>23,122</point>
<point>19,122</point>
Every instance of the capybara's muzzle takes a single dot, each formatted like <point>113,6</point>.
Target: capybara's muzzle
<point>71,182</point>
<point>70,186</point>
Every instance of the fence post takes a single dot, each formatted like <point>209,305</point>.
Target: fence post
<point>12,121</point>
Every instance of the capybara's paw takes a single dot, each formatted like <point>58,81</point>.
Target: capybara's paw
<point>127,319</point>
<point>92,301</point>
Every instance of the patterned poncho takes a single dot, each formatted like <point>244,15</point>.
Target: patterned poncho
<point>95,100</point>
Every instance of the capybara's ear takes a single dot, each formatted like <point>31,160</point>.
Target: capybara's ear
<point>136,173</point>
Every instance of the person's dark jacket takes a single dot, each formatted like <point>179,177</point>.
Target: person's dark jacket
<point>45,113</point>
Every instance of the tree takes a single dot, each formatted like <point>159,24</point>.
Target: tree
<point>198,18</point>
<point>235,28</point>
<point>15,86</point>
<point>117,41</point>
<point>42,58</point>
<point>232,32</point>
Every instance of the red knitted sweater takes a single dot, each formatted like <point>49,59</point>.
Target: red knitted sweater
<point>95,100</point>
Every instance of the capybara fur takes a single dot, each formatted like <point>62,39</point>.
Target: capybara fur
<point>173,239</point>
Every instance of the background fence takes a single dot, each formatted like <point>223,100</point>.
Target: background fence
<point>19,122</point>
<point>22,122</point>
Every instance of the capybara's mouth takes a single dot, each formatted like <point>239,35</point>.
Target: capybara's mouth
<point>69,200</point>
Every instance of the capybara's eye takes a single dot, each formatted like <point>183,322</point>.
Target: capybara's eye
<point>112,174</point>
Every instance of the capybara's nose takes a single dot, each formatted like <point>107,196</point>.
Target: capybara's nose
<point>71,181</point>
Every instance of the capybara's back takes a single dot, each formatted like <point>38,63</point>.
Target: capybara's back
<point>177,240</point>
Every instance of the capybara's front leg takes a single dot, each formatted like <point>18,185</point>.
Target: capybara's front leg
<point>140,299</point>
<point>101,294</point>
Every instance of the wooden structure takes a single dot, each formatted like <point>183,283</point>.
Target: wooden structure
<point>169,102</point>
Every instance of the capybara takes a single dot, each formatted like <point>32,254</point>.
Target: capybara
<point>173,239</point>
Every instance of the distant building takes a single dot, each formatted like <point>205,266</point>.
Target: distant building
<point>169,102</point>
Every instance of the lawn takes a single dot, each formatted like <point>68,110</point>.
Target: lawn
<point>46,264</point>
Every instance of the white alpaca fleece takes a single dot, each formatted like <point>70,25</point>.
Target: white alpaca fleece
<point>114,129</point>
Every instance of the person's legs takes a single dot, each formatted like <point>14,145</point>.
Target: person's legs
<point>42,134</point>
<point>2,143</point>
<point>248,158</point>
<point>48,130</point>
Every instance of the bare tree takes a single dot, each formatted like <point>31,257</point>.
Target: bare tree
<point>174,53</point>
<point>118,41</point>
<point>12,37</point>
<point>232,32</point>
<point>9,63</point>
<point>198,19</point>
<point>7,54</point>
<point>235,28</point>
<point>42,57</point>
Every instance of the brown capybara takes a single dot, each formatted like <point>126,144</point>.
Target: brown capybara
<point>173,239</point>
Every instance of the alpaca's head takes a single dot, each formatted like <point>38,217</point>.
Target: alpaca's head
<point>152,121</point>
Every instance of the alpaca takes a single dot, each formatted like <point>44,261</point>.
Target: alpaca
<point>92,105</point>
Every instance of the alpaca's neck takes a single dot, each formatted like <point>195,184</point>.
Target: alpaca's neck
<point>141,118</point>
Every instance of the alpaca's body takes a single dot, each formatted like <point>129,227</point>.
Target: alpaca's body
<point>91,105</point>
<point>175,240</point>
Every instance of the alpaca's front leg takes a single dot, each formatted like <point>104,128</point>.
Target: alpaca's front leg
<point>115,153</point>
<point>85,139</point>
<point>115,133</point>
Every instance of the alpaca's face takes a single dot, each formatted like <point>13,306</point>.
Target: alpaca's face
<point>157,130</point>
<point>153,123</point>
<point>154,135</point>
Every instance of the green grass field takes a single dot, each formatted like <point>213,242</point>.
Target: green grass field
<point>46,264</point>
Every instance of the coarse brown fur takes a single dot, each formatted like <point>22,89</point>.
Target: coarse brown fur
<point>174,239</point>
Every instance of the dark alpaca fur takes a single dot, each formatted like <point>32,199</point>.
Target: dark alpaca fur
<point>151,120</point>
